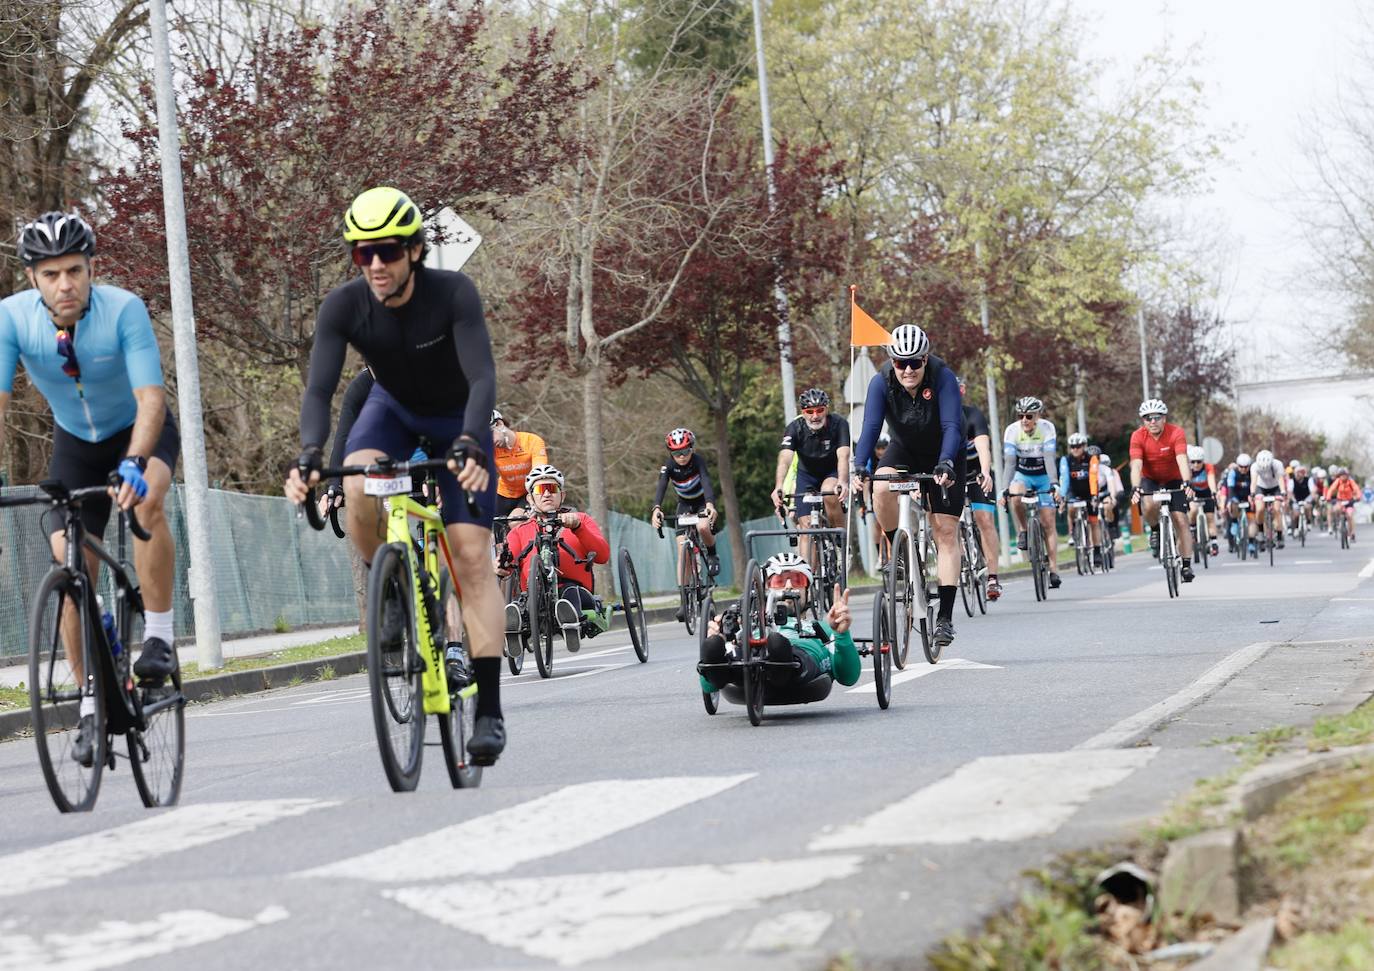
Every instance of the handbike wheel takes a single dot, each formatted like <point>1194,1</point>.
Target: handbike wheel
<point>157,754</point>
<point>753,636</point>
<point>710,699</point>
<point>541,621</point>
<point>510,593</point>
<point>899,606</point>
<point>882,651</point>
<point>455,729</point>
<point>394,668</point>
<point>633,603</point>
<point>55,692</point>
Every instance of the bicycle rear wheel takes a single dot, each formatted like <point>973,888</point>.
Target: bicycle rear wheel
<point>55,692</point>
<point>966,574</point>
<point>899,597</point>
<point>1082,556</point>
<point>753,637</point>
<point>882,651</point>
<point>394,668</point>
<point>633,603</point>
<point>157,754</point>
<point>1269,534</point>
<point>687,593</point>
<point>542,621</point>
<point>455,729</point>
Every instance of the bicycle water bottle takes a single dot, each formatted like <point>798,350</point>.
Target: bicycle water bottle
<point>107,619</point>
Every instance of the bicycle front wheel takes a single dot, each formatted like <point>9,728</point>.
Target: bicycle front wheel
<point>1039,565</point>
<point>515,649</point>
<point>633,605</point>
<point>541,620</point>
<point>56,634</point>
<point>967,580</point>
<point>753,639</point>
<point>455,729</point>
<point>882,651</point>
<point>157,754</point>
<point>899,597</point>
<point>394,668</point>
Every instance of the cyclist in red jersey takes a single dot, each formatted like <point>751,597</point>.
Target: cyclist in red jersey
<point>1159,461</point>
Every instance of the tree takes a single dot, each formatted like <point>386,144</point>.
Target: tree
<point>1192,363</point>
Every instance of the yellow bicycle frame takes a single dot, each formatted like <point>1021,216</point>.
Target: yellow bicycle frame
<point>399,511</point>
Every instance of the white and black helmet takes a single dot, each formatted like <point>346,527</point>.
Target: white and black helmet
<point>1077,438</point>
<point>785,562</point>
<point>541,472</point>
<point>495,417</point>
<point>908,340</point>
<point>1029,405</point>
<point>1153,406</point>
<point>1195,454</point>
<point>55,234</point>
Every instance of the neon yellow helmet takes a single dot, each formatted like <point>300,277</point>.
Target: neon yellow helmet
<point>382,213</point>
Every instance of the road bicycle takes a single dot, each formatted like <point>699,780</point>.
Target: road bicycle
<point>973,566</point>
<point>695,580</point>
<point>907,591</point>
<point>78,651</point>
<point>1082,537</point>
<point>1302,525</point>
<point>1271,523</point>
<point>1037,552</point>
<point>1342,523</point>
<point>826,550</point>
<point>409,587</point>
<point>1106,546</point>
<point>1241,524</point>
<point>1169,557</point>
<point>1202,536</point>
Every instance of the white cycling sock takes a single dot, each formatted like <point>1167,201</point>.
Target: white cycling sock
<point>158,623</point>
<point>87,705</point>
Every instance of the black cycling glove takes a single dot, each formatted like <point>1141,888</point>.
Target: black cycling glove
<point>465,447</point>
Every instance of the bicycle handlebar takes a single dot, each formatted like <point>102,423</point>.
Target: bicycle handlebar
<point>384,467</point>
<point>56,494</point>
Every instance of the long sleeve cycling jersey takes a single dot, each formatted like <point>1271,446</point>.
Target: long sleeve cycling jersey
<point>928,424</point>
<point>691,482</point>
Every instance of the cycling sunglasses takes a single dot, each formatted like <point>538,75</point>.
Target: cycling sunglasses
<point>1028,414</point>
<point>1151,417</point>
<point>908,363</point>
<point>389,253</point>
<point>780,580</point>
<point>814,412</point>
<point>676,452</point>
<point>67,349</point>
<point>545,488</point>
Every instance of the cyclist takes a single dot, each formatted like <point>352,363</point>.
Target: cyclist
<point>423,335</point>
<point>577,604</point>
<point>1238,486</point>
<point>1202,478</point>
<point>90,351</point>
<point>821,653</point>
<point>1030,443</point>
<point>516,453</point>
<point>1159,461</point>
<point>820,442</point>
<point>686,470</point>
<point>1342,494</point>
<point>1320,482</point>
<point>1268,479</point>
<point>1084,479</point>
<point>1302,495</point>
<point>979,488</point>
<point>918,396</point>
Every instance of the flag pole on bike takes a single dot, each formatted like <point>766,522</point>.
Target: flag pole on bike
<point>864,332</point>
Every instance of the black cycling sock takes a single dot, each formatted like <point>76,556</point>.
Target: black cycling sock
<point>487,671</point>
<point>946,611</point>
<point>1187,561</point>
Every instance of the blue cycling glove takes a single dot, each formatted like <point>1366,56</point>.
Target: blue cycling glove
<point>133,477</point>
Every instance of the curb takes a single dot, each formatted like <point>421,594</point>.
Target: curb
<point>1258,790</point>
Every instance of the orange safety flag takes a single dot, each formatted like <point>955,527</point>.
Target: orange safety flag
<point>864,331</point>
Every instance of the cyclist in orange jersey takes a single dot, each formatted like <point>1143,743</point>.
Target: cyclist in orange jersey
<point>1342,494</point>
<point>516,453</point>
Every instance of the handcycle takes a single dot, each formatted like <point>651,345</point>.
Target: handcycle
<point>906,588</point>
<point>536,603</point>
<point>746,626</point>
<point>973,565</point>
<point>510,583</point>
<point>826,553</point>
<point>411,582</point>
<point>695,581</point>
<point>67,621</point>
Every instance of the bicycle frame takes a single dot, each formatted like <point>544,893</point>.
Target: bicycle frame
<point>400,510</point>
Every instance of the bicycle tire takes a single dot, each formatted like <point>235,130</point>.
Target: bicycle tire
<point>754,634</point>
<point>687,592</point>
<point>1270,541</point>
<point>633,604</point>
<point>455,729</point>
<point>54,696</point>
<point>1079,549</point>
<point>540,606</point>
<point>1039,569</point>
<point>1202,540</point>
<point>980,584</point>
<point>157,754</point>
<point>966,578</point>
<point>924,608</point>
<point>394,670</point>
<point>1167,553</point>
<point>882,652</point>
<point>510,593</point>
<point>899,606</point>
<point>710,699</point>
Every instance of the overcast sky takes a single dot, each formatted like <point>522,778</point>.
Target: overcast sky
<point>1266,66</point>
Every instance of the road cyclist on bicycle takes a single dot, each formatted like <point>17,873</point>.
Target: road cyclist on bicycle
<point>980,486</point>
<point>1302,497</point>
<point>516,453</point>
<point>1085,480</point>
<point>91,352</point>
<point>424,337</point>
<point>1341,496</point>
<point>821,443</point>
<point>1030,443</point>
<point>1271,480</point>
<point>581,543</point>
<point>1159,462</point>
<point>917,395</point>
<point>686,471</point>
<point>1202,479</point>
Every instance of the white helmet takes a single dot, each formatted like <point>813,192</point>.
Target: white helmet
<point>1292,464</point>
<point>1029,405</point>
<point>1264,457</point>
<point>1318,472</point>
<point>496,416</point>
<point>541,472</point>
<point>1153,406</point>
<point>908,340</point>
<point>1077,438</point>
<point>1195,454</point>
<point>1243,459</point>
<point>1298,467</point>
<point>787,562</point>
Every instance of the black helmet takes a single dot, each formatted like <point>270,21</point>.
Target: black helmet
<point>55,234</point>
<point>813,398</point>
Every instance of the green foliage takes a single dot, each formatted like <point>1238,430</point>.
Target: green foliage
<point>280,625</point>
<point>714,36</point>
<point>1349,949</point>
<point>1335,731</point>
<point>755,428</point>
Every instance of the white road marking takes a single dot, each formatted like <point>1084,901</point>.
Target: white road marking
<point>334,697</point>
<point>919,669</point>
<point>587,917</point>
<point>998,799</point>
<point>795,929</point>
<point>1129,730</point>
<point>555,823</point>
<point>166,832</point>
<point>116,942</point>
<point>559,677</point>
<point>1309,562</point>
<point>1367,572</point>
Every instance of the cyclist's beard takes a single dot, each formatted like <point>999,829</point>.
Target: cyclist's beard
<point>410,272</point>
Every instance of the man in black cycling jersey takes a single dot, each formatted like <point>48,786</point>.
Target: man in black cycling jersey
<point>686,470</point>
<point>918,397</point>
<point>821,444</point>
<point>979,487</point>
<point>424,337</point>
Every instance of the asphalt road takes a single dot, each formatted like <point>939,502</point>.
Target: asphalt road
<point>625,828</point>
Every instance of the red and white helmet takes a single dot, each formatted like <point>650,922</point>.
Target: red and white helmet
<point>680,438</point>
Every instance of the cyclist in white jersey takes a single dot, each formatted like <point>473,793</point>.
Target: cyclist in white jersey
<point>1030,443</point>
<point>1268,478</point>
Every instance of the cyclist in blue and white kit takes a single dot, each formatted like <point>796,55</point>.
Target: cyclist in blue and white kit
<point>91,352</point>
<point>1030,442</point>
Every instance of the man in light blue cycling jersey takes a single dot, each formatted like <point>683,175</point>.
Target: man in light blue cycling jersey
<point>1030,443</point>
<point>90,350</point>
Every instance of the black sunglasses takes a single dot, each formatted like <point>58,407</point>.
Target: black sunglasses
<point>908,363</point>
<point>389,253</point>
